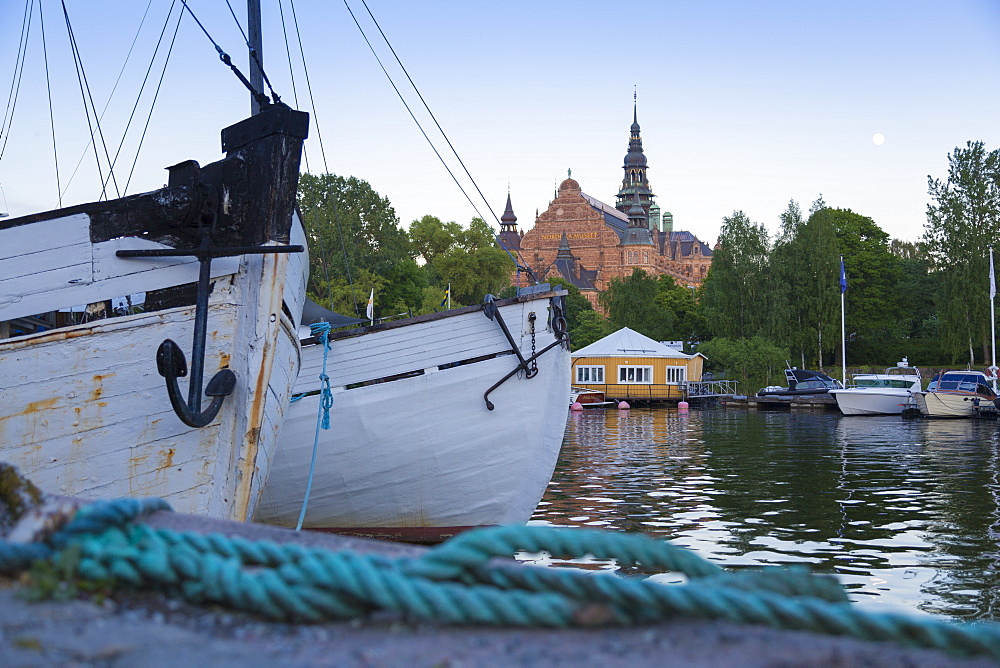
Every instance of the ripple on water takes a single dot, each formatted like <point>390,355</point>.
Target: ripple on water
<point>905,513</point>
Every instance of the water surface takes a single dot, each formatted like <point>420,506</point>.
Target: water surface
<point>905,512</point>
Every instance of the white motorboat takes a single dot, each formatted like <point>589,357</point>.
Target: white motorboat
<point>440,423</point>
<point>954,394</point>
<point>886,393</point>
<point>84,410</point>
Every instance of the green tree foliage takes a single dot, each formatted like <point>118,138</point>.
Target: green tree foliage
<point>873,305</point>
<point>919,290</point>
<point>585,325</point>
<point>631,302</point>
<point>754,363</point>
<point>818,290</point>
<point>962,223</point>
<point>590,326</point>
<point>466,258</point>
<point>737,291</point>
<point>790,271</point>
<point>681,302</point>
<point>431,237</point>
<point>348,297</point>
<point>352,230</point>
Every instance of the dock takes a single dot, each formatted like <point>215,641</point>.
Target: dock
<point>132,629</point>
<point>817,402</point>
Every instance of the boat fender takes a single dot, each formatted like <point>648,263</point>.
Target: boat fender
<point>682,406</point>
<point>623,405</point>
<point>576,406</point>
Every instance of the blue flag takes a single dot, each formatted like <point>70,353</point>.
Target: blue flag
<point>446,294</point>
<point>843,277</point>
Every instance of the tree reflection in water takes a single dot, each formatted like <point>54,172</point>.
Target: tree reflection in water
<point>906,513</point>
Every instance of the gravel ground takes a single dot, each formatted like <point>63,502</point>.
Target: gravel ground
<point>151,630</point>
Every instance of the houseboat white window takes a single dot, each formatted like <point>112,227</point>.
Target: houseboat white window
<point>676,374</point>
<point>590,374</point>
<point>635,374</point>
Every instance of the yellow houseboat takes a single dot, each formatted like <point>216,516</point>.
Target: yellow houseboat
<point>628,365</point>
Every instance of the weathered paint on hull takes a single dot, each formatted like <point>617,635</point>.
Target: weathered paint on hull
<point>423,456</point>
<point>84,412</point>
<point>96,422</point>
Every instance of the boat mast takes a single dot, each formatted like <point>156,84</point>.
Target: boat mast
<point>256,49</point>
<point>993,323</point>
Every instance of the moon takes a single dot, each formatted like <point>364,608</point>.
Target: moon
<point>878,138</point>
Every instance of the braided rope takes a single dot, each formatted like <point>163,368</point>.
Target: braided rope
<point>455,583</point>
<point>322,330</point>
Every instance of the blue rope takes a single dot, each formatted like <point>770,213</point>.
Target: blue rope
<point>322,330</point>
<point>458,582</point>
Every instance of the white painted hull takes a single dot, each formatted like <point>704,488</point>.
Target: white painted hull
<point>83,410</point>
<point>875,401</point>
<point>424,452</point>
<point>946,405</point>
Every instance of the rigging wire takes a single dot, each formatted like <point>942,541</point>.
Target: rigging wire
<point>85,86</point>
<point>420,127</point>
<point>291,73</point>
<point>15,84</point>
<point>312,101</point>
<point>145,80</point>
<point>156,94</point>
<point>253,53</point>
<point>322,149</point>
<point>48,88</point>
<point>228,61</point>
<point>111,95</point>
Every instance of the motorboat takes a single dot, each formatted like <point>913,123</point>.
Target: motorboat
<point>588,398</point>
<point>802,382</point>
<point>954,394</point>
<point>887,393</point>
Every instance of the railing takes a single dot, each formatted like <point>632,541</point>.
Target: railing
<point>710,388</point>
<point>638,391</point>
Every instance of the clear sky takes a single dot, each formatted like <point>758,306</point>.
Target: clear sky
<point>743,106</point>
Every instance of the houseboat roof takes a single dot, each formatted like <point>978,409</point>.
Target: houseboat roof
<point>629,343</point>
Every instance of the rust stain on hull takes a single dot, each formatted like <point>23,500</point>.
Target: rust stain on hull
<point>251,444</point>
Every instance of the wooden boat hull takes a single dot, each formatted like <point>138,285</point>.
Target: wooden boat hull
<point>947,405</point>
<point>422,457</point>
<point>85,412</point>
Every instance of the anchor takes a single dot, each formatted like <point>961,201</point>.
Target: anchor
<point>170,360</point>
<point>528,365</point>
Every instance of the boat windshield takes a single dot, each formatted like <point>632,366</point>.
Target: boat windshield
<point>901,383</point>
<point>816,384</point>
<point>962,382</point>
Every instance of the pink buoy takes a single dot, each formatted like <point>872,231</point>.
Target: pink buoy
<point>576,406</point>
<point>623,405</point>
<point>682,406</point>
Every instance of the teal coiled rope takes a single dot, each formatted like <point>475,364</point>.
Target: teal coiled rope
<point>457,582</point>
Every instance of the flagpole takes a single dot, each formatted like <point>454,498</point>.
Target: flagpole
<point>449,296</point>
<point>993,322</point>
<point>843,327</point>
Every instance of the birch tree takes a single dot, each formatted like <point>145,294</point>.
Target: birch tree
<point>963,220</point>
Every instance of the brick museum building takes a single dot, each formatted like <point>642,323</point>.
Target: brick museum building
<point>589,243</point>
